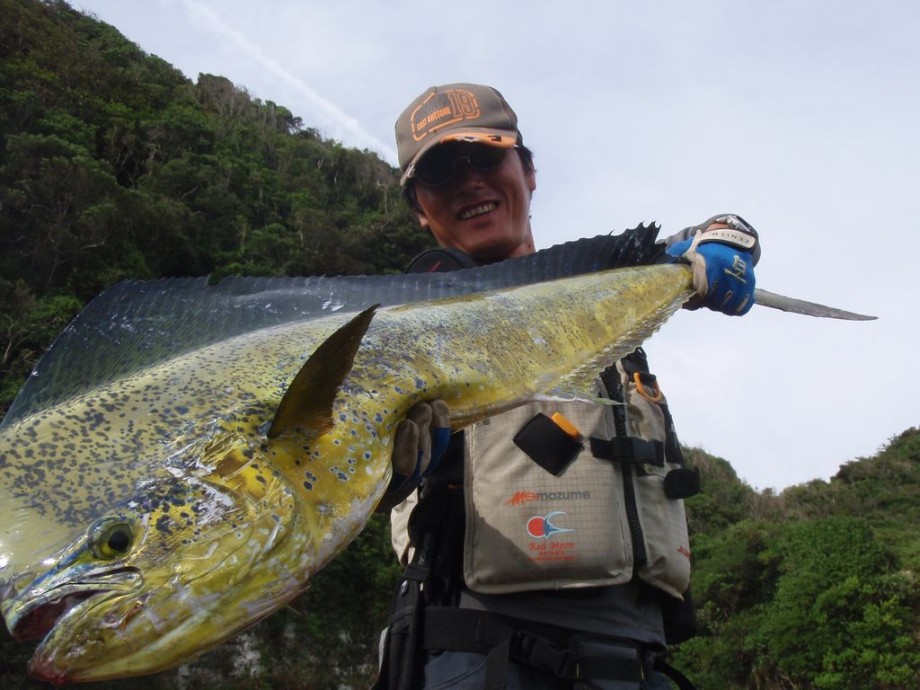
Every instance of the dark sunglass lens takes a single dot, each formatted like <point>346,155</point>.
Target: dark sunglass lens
<point>439,165</point>
<point>486,157</point>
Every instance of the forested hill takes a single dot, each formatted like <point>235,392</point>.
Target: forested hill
<point>113,165</point>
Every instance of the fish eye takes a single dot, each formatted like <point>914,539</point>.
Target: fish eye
<point>110,539</point>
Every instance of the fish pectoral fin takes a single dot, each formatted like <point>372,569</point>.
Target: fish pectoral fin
<point>307,403</point>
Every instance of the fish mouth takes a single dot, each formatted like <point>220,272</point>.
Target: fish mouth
<point>37,617</point>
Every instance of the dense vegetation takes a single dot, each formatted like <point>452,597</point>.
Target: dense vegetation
<point>814,588</point>
<point>113,165</point>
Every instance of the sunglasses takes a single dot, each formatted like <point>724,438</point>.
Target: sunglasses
<point>438,167</point>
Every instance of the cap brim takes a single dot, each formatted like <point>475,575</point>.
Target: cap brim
<point>499,138</point>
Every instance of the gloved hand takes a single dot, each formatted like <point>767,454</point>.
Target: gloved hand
<point>420,442</point>
<point>722,252</point>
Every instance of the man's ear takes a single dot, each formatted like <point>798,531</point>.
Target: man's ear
<point>532,181</point>
<point>422,218</point>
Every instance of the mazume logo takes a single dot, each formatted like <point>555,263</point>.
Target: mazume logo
<point>522,497</point>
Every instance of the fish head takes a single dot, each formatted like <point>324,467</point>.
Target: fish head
<point>177,568</point>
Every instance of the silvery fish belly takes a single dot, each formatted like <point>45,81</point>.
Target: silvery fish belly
<point>150,518</point>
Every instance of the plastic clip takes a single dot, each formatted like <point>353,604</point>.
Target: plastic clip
<point>655,396</point>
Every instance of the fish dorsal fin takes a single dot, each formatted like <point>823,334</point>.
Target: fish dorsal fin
<point>307,403</point>
<point>138,324</point>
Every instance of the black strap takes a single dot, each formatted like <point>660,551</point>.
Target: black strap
<point>404,631</point>
<point>672,445</point>
<point>504,641</point>
<point>629,449</point>
<point>683,683</point>
<point>440,260</point>
<point>497,665</point>
<point>500,638</point>
<point>464,630</point>
<point>525,648</point>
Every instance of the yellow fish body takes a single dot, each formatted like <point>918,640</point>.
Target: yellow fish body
<point>152,518</point>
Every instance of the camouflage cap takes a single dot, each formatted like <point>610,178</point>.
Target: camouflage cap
<point>453,112</point>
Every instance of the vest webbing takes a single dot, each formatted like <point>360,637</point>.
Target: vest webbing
<point>505,641</point>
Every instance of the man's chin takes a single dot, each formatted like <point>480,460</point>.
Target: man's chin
<point>489,252</point>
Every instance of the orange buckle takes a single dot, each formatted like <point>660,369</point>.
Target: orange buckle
<point>566,425</point>
<point>654,396</point>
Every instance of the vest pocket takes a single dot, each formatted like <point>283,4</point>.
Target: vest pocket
<point>527,529</point>
<point>663,520</point>
<point>667,544</point>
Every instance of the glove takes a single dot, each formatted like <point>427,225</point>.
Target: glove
<point>721,253</point>
<point>420,442</point>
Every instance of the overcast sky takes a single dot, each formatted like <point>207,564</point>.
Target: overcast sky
<point>800,115</point>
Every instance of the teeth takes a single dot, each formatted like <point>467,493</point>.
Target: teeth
<point>478,210</point>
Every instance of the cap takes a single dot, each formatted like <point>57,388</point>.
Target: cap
<point>453,112</point>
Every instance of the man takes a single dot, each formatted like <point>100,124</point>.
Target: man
<point>536,560</point>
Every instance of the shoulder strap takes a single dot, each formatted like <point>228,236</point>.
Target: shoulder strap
<point>441,260</point>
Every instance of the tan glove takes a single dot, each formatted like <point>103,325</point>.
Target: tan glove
<point>420,438</point>
<point>413,441</point>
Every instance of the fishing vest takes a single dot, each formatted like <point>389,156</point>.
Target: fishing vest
<point>585,499</point>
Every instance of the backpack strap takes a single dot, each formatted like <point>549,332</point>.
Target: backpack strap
<point>430,576</point>
<point>440,260</point>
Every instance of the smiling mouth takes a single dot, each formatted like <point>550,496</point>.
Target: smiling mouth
<point>478,210</point>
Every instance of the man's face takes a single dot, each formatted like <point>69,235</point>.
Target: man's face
<point>485,213</point>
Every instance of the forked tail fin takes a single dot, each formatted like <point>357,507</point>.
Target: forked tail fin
<point>799,306</point>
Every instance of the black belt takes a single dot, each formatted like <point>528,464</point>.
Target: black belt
<point>546,648</point>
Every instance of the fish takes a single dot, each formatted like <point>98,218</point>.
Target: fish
<point>135,323</point>
<point>182,502</point>
<point>173,472</point>
<point>169,316</point>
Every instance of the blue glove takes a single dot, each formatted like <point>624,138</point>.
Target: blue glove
<point>722,259</point>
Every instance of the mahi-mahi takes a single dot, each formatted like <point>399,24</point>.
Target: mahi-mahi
<point>151,517</point>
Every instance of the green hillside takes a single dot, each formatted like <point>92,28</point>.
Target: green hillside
<point>113,165</point>
<point>814,588</point>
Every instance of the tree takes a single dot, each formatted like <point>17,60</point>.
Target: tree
<point>833,604</point>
